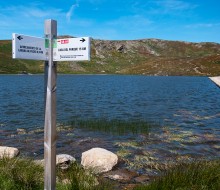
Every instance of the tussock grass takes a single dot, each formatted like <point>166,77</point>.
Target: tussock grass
<point>16,174</point>
<point>114,127</point>
<point>76,178</point>
<point>202,175</point>
<point>25,174</point>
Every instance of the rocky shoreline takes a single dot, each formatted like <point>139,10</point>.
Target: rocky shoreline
<point>103,163</point>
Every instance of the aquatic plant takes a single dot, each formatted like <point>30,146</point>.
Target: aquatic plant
<point>114,127</point>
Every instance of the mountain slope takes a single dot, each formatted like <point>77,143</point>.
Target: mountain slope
<point>147,56</point>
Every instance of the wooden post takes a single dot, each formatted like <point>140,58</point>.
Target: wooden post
<point>50,136</point>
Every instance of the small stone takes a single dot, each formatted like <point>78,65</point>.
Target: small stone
<point>142,179</point>
<point>21,131</point>
<point>9,152</point>
<point>121,175</point>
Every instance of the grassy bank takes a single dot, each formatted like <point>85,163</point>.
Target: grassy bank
<point>142,57</point>
<point>203,175</point>
<point>17,174</point>
<point>25,174</point>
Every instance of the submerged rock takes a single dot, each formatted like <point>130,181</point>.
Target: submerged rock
<point>21,131</point>
<point>121,175</point>
<point>142,179</point>
<point>99,159</point>
<point>9,152</point>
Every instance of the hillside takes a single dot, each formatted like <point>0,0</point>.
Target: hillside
<point>146,57</point>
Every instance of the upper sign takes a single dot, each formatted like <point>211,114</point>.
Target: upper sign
<point>27,47</point>
<point>72,49</point>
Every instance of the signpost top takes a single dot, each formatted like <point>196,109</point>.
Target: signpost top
<point>68,49</point>
<point>50,30</point>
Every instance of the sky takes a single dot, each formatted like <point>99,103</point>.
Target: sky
<point>182,20</point>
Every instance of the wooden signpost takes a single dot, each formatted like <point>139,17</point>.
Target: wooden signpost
<point>50,50</point>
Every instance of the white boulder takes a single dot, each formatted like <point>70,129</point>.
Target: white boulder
<point>99,159</point>
<point>9,152</point>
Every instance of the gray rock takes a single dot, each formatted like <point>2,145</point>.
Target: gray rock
<point>21,131</point>
<point>121,175</point>
<point>120,48</point>
<point>62,160</point>
<point>9,152</point>
<point>142,179</point>
<point>99,160</point>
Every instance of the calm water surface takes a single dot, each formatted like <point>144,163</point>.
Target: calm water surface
<point>186,108</point>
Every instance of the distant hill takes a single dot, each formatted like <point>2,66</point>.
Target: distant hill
<point>145,57</point>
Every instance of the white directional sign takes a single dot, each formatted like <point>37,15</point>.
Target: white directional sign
<point>72,49</point>
<point>69,49</point>
<point>28,47</point>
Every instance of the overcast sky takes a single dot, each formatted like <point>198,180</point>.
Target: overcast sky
<point>184,20</point>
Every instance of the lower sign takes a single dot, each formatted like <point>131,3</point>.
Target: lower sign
<point>72,49</point>
<point>28,47</point>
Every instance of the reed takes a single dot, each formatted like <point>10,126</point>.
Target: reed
<point>114,127</point>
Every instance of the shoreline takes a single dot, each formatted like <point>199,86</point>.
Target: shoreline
<point>113,74</point>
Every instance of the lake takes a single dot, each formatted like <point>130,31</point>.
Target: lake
<point>186,111</point>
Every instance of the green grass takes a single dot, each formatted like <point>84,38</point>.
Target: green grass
<point>114,127</point>
<point>20,174</point>
<point>25,174</point>
<point>202,175</point>
<point>136,59</point>
<point>79,179</point>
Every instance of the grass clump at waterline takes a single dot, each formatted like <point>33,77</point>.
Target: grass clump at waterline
<point>201,175</point>
<point>114,127</point>
<point>20,174</point>
<point>25,174</point>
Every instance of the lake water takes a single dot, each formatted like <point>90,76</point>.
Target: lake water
<point>187,110</point>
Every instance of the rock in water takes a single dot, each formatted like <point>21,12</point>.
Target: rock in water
<point>9,152</point>
<point>121,175</point>
<point>99,159</point>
